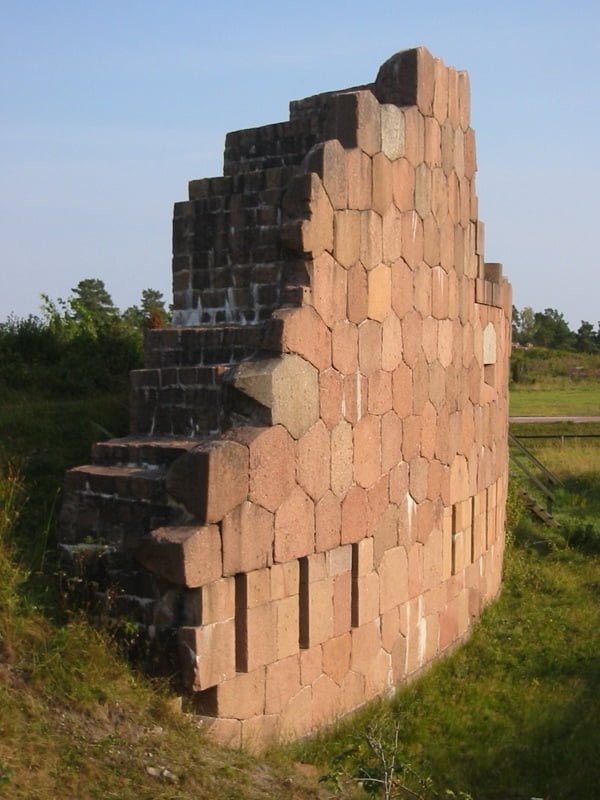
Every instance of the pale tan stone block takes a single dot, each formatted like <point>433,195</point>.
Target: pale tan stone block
<point>188,556</point>
<point>414,135</point>
<point>259,733</point>
<point>382,183</point>
<point>433,142</point>
<point>391,343</point>
<point>342,603</point>
<point>366,643</point>
<point>440,92</point>
<point>316,232</point>
<point>402,389</point>
<point>412,238</point>
<point>447,147</point>
<point>385,533</point>
<point>392,131</point>
<point>393,579</point>
<point>311,665</point>
<point>282,683</point>
<point>412,335</point>
<point>392,235</point>
<point>360,182</point>
<point>367,450</point>
<point>207,654</point>
<point>422,289</point>
<point>247,534</point>
<point>328,521</point>
<point>390,628</point>
<point>346,237</point>
<point>357,301</point>
<point>380,677</point>
<point>391,441</point>
<point>354,515</point>
<point>218,601</point>
<point>371,239</point>
<point>328,289</point>
<point>303,332</point>
<point>341,458</point>
<point>243,696</point>
<point>415,570</point>
<point>336,657</point>
<point>330,397</point>
<point>433,559</point>
<point>365,598</point>
<point>294,526</point>
<point>353,691</point>
<point>326,700</point>
<point>226,732</point>
<point>287,612</point>
<point>363,562</point>
<point>284,580</point>
<point>328,160</point>
<point>431,241</point>
<point>296,718</point>
<point>379,292</point>
<point>423,190</point>
<point>403,184</point>
<point>314,461</point>
<point>402,288</point>
<point>369,346</point>
<point>380,392</point>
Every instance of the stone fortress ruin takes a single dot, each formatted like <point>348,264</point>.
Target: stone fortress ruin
<point>312,495</point>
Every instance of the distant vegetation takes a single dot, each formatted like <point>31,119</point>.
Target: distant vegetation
<point>549,329</point>
<point>78,346</point>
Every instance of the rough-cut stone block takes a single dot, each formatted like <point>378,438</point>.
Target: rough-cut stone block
<point>414,133</point>
<point>440,91</point>
<point>433,142</point>
<point>412,327</point>
<point>392,235</point>
<point>341,458</point>
<point>330,397</point>
<point>371,239</point>
<point>314,461</point>
<point>379,292</point>
<point>380,392</point>
<point>412,238</point>
<point>207,654</point>
<point>355,120</point>
<point>423,191</point>
<point>402,288</point>
<point>326,700</point>
<point>403,184</point>
<point>311,665</point>
<point>393,579</point>
<point>328,287</point>
<point>359,170</point>
<point>367,450</point>
<point>218,601</point>
<point>407,79</point>
<point>187,556</point>
<point>336,657</point>
<point>287,615</point>
<point>344,347</point>
<point>369,346</point>
<point>303,332</point>
<point>256,637</point>
<point>211,479</point>
<point>385,533</point>
<point>391,343</point>
<point>402,389</point>
<point>431,241</point>
<point>366,643</point>
<point>342,603</point>
<point>247,534</point>
<point>294,526</point>
<point>357,305</point>
<point>328,522</point>
<point>346,248</point>
<point>296,718</point>
<point>282,683</point>
<point>241,697</point>
<point>272,464</point>
<point>382,183</point>
<point>284,580</point>
<point>354,515</point>
<point>378,498</point>
<point>392,131</point>
<point>328,160</point>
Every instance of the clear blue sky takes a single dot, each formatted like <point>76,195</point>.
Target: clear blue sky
<point>109,108</point>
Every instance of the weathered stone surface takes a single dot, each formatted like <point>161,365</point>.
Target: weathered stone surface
<point>247,534</point>
<point>187,556</point>
<point>210,480</point>
<point>288,386</point>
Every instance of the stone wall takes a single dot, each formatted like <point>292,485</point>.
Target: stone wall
<point>313,493</point>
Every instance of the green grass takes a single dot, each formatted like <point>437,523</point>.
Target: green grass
<point>571,400</point>
<point>512,715</point>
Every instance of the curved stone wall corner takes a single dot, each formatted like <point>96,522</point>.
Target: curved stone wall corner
<point>333,407</point>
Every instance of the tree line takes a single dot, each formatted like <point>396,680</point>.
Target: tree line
<point>77,346</point>
<point>549,329</point>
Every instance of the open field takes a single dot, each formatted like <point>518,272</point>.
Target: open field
<point>513,714</point>
<point>577,400</point>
